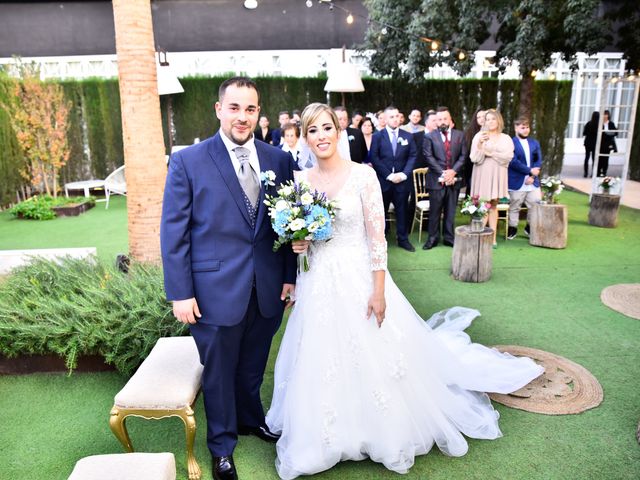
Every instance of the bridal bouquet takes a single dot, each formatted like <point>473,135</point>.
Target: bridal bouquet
<point>297,213</point>
<point>608,182</point>
<point>551,188</point>
<point>476,207</point>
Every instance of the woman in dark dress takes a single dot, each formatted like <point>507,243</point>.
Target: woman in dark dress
<point>263,132</point>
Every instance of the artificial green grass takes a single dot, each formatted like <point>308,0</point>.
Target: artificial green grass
<point>101,228</point>
<point>547,299</point>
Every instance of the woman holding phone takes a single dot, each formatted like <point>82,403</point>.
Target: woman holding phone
<point>491,152</point>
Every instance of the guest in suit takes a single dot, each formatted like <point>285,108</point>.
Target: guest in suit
<point>445,152</point>
<point>357,146</point>
<point>220,271</point>
<point>491,152</point>
<point>301,156</point>
<point>590,134</point>
<point>393,156</point>
<point>607,144</point>
<point>283,119</point>
<point>263,132</point>
<point>430,124</point>
<point>524,173</point>
<point>414,125</point>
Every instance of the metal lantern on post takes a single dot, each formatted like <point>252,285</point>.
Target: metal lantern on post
<point>168,84</point>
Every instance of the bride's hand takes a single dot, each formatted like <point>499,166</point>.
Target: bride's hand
<point>300,246</point>
<point>377,305</point>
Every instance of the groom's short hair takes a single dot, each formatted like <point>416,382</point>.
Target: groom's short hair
<point>238,82</point>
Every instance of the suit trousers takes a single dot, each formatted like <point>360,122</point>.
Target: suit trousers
<point>517,198</point>
<point>400,200</point>
<point>442,202</point>
<point>234,360</point>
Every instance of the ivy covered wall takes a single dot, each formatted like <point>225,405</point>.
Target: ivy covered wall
<point>95,134</point>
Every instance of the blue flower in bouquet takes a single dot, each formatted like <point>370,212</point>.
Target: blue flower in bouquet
<point>297,213</point>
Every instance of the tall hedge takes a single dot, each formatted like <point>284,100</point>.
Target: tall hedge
<point>95,133</point>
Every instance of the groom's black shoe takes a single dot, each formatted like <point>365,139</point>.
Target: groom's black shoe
<point>406,245</point>
<point>224,468</point>
<point>262,432</point>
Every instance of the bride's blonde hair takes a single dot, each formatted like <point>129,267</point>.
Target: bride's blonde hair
<point>312,111</point>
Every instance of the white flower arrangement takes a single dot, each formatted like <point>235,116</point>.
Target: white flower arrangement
<point>551,187</point>
<point>608,182</point>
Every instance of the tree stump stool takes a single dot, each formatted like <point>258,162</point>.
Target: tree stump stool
<point>549,225</point>
<point>604,210</point>
<point>471,260</point>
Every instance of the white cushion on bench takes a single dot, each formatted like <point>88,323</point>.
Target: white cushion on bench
<point>126,466</point>
<point>168,379</point>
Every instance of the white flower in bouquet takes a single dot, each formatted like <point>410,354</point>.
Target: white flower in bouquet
<point>297,224</point>
<point>306,198</point>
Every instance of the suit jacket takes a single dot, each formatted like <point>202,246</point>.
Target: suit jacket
<point>268,137</point>
<point>276,137</point>
<point>210,251</point>
<point>518,169</point>
<point>385,163</point>
<point>608,142</point>
<point>357,145</point>
<point>435,156</point>
<point>421,160</point>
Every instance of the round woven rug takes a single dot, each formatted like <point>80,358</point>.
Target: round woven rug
<point>623,298</point>
<point>564,388</point>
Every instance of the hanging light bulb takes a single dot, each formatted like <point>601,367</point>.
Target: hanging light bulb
<point>461,55</point>
<point>250,4</point>
<point>349,18</point>
<point>597,80</point>
<point>614,80</point>
<point>309,3</point>
<point>384,30</point>
<point>434,45</point>
<point>534,73</point>
<point>631,76</point>
<point>552,76</point>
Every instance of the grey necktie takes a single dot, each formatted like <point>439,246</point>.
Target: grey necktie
<point>394,141</point>
<point>247,177</point>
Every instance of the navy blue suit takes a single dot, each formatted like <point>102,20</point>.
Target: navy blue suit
<point>213,250</point>
<point>385,162</point>
<point>518,168</point>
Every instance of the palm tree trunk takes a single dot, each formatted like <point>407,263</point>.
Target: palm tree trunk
<point>141,126</point>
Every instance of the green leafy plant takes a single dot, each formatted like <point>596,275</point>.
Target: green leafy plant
<point>79,307</point>
<point>40,207</point>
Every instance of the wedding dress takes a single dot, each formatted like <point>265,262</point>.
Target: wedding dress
<point>347,390</point>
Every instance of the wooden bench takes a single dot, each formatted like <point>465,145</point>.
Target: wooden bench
<point>165,385</point>
<point>126,466</point>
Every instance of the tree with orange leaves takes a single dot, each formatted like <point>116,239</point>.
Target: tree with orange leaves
<point>39,115</point>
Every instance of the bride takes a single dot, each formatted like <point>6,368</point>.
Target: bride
<point>359,374</point>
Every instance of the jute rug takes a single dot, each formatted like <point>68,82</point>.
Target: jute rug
<point>623,298</point>
<point>564,388</point>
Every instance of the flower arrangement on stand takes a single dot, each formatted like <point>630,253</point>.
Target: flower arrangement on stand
<point>551,188</point>
<point>607,183</point>
<point>477,208</point>
<point>297,213</point>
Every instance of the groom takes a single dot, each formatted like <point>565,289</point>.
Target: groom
<point>219,268</point>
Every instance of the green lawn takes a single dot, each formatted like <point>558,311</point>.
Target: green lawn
<point>547,299</point>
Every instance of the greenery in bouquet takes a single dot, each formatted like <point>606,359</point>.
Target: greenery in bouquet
<point>40,207</point>
<point>608,182</point>
<point>475,207</point>
<point>297,213</point>
<point>551,187</point>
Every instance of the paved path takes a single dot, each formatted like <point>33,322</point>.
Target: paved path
<point>572,176</point>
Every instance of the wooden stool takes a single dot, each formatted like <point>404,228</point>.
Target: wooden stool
<point>549,225</point>
<point>165,385</point>
<point>604,210</point>
<point>126,466</point>
<point>471,260</point>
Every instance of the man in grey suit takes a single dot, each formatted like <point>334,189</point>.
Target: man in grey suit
<point>445,151</point>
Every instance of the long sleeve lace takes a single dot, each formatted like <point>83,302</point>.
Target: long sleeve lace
<point>373,211</point>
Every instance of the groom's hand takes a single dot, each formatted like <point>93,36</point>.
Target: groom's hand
<point>186,311</point>
<point>288,294</point>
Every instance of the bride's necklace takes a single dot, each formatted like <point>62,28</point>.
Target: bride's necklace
<point>328,179</point>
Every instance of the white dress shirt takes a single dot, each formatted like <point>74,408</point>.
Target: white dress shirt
<point>253,154</point>
<point>391,140</point>
<point>527,155</point>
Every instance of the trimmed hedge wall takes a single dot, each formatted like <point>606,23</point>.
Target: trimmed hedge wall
<point>95,133</point>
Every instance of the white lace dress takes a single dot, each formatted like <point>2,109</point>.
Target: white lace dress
<point>347,390</point>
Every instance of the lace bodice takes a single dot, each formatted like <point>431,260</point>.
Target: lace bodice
<point>358,229</point>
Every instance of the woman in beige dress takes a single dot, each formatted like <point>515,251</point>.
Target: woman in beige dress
<point>491,152</point>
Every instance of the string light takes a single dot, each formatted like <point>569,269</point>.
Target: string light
<point>534,73</point>
<point>631,76</point>
<point>349,18</point>
<point>461,55</point>
<point>552,76</point>
<point>434,45</point>
<point>384,30</point>
<point>250,4</point>
<point>597,80</point>
<point>614,80</point>
<point>309,3</point>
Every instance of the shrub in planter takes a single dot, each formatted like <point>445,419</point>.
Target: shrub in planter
<point>41,207</point>
<point>78,307</point>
